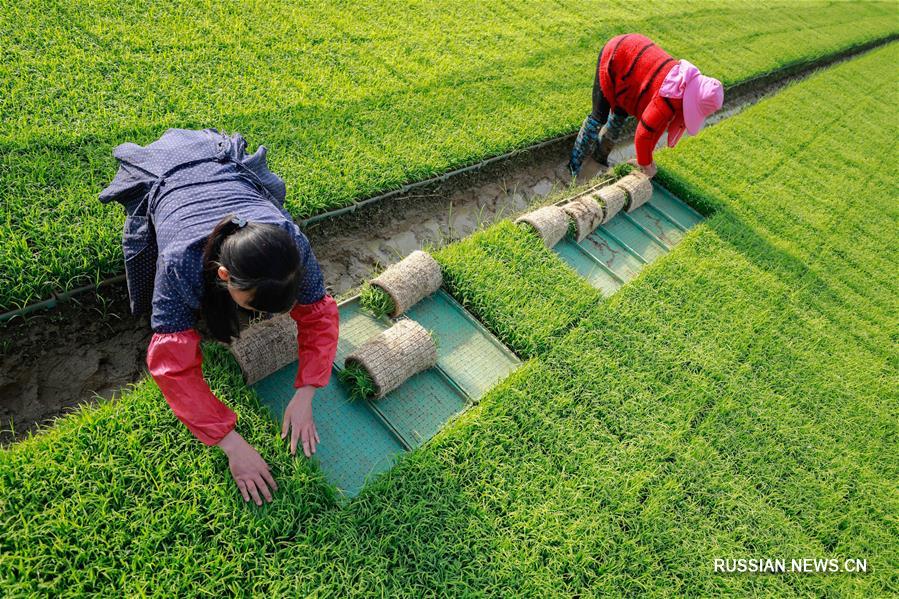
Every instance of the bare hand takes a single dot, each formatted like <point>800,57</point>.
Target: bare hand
<point>649,170</point>
<point>298,421</point>
<point>249,470</point>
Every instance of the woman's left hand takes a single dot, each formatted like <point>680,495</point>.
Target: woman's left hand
<point>298,421</point>
<point>649,170</point>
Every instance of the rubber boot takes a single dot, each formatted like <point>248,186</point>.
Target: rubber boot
<point>583,145</point>
<point>603,148</point>
<point>608,137</point>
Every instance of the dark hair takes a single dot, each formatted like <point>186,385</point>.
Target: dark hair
<point>262,258</point>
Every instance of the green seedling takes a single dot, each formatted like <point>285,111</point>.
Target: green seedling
<point>622,169</point>
<point>738,394</point>
<point>376,301</point>
<point>515,285</point>
<point>358,381</point>
<point>54,235</point>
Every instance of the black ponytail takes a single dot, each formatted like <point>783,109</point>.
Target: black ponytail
<point>260,258</point>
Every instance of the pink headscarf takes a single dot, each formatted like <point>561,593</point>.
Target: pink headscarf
<point>702,96</point>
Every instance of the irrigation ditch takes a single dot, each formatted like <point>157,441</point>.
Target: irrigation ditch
<point>83,345</point>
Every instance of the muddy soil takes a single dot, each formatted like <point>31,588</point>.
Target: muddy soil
<point>58,359</point>
<point>92,348</point>
<point>355,246</point>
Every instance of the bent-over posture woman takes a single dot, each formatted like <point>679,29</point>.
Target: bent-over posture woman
<point>636,77</point>
<point>206,232</point>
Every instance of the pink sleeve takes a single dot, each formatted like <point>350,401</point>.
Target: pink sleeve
<point>653,122</point>
<point>175,362</point>
<point>317,329</point>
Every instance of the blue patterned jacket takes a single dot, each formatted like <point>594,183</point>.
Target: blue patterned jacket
<point>175,190</point>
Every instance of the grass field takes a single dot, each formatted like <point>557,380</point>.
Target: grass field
<point>350,98</point>
<point>505,277</point>
<point>737,399</point>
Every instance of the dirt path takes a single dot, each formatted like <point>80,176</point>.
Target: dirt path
<point>53,361</point>
<point>353,247</point>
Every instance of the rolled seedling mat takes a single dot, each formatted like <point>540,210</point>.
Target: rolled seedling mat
<point>394,356</point>
<point>550,223</point>
<point>638,188</point>
<point>410,280</point>
<point>613,199</point>
<point>266,347</point>
<point>587,215</point>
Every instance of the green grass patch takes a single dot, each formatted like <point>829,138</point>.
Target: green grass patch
<point>760,354</point>
<point>358,381</point>
<point>737,399</point>
<point>622,169</point>
<point>376,301</point>
<point>350,100</point>
<point>516,286</point>
<point>124,487</point>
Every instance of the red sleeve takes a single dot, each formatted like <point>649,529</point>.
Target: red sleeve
<point>175,363</point>
<point>653,122</point>
<point>317,328</point>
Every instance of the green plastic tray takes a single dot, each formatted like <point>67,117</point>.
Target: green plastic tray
<point>355,444</point>
<point>470,356</point>
<point>618,250</point>
<point>589,266</point>
<point>360,439</point>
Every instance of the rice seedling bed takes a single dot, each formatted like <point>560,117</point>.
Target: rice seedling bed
<point>736,398</point>
<point>615,252</point>
<point>508,279</point>
<point>364,435</point>
<point>350,102</point>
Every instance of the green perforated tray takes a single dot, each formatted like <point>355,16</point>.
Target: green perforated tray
<point>469,355</point>
<point>360,439</point>
<point>675,209</point>
<point>589,266</point>
<point>654,222</point>
<point>421,406</point>
<point>356,327</point>
<point>616,251</point>
<point>637,241</point>
<point>355,444</point>
<point>612,254</point>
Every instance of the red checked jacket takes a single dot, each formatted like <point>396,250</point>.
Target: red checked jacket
<point>631,71</point>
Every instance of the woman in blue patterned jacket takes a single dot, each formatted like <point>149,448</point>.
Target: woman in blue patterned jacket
<point>206,232</point>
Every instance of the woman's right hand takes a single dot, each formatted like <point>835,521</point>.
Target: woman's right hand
<point>249,470</point>
<point>649,170</point>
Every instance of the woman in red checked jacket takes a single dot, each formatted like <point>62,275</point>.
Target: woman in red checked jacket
<point>206,232</point>
<point>636,77</point>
